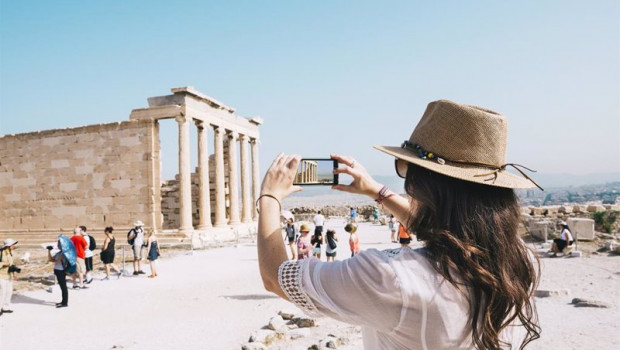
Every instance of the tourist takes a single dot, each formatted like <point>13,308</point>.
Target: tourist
<point>352,215</point>
<point>59,272</point>
<point>354,241</point>
<point>88,257</point>
<point>135,237</point>
<point>291,236</point>
<point>404,237</point>
<point>7,275</point>
<point>316,241</point>
<point>80,248</point>
<point>566,239</point>
<point>470,286</point>
<point>375,215</point>
<point>108,252</point>
<point>319,221</point>
<point>153,253</point>
<point>392,226</point>
<point>332,245</point>
<point>303,242</point>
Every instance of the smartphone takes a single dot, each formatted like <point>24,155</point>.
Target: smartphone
<point>316,171</point>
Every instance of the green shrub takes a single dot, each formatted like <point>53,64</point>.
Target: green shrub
<point>605,219</point>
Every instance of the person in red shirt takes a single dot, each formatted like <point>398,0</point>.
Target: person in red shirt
<point>80,246</point>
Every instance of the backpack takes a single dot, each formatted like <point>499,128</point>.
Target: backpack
<point>331,242</point>
<point>92,245</point>
<point>69,269</point>
<point>132,239</point>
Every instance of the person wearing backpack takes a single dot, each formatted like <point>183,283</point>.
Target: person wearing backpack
<point>332,245</point>
<point>59,272</point>
<point>135,238</point>
<point>91,245</point>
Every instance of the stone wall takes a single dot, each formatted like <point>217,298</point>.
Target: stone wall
<point>97,175</point>
<point>170,196</point>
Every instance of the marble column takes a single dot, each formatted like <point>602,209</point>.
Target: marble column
<point>204,195</point>
<point>233,181</point>
<point>246,206</point>
<point>220,185</point>
<point>255,180</point>
<point>185,184</point>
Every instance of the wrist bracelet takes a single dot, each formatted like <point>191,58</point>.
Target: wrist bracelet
<point>270,196</point>
<point>383,195</point>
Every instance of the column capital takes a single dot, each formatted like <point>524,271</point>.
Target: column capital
<point>243,138</point>
<point>181,119</point>
<point>199,124</point>
<point>218,130</point>
<point>255,141</point>
<point>233,135</point>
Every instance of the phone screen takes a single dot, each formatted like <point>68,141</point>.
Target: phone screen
<point>316,171</point>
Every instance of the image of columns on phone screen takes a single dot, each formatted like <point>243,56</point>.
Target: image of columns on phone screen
<point>316,171</point>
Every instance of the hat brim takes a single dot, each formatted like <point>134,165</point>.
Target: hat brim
<point>460,171</point>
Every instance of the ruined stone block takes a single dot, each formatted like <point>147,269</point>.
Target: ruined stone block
<point>582,229</point>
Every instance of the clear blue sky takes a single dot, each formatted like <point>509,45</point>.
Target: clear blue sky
<point>326,76</point>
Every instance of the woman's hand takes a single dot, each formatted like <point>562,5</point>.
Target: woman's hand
<point>279,178</point>
<point>362,183</point>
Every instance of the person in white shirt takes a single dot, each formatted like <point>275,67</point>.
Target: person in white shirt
<point>317,239</point>
<point>137,234</point>
<point>88,260</point>
<point>470,286</point>
<point>566,239</point>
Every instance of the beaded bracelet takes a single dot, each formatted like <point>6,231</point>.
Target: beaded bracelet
<point>270,196</point>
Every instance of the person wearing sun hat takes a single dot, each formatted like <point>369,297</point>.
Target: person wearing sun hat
<point>6,276</point>
<point>470,286</point>
<point>136,235</point>
<point>304,247</point>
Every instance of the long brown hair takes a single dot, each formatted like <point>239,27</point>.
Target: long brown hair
<point>470,233</point>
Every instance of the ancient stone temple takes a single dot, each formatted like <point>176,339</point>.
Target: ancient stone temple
<point>110,174</point>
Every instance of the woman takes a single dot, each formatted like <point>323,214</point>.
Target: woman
<point>332,245</point>
<point>471,285</point>
<point>303,243</point>
<point>151,242</point>
<point>59,272</point>
<point>316,241</point>
<point>392,226</point>
<point>404,237</point>
<point>566,239</point>
<point>354,240</point>
<point>107,253</point>
<point>291,236</point>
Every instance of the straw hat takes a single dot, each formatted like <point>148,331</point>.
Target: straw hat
<point>138,223</point>
<point>464,142</point>
<point>351,228</point>
<point>9,242</point>
<point>304,228</point>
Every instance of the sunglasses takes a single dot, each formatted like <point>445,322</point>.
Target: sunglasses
<point>401,167</point>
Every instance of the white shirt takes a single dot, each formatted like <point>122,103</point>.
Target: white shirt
<point>139,240</point>
<point>87,252</point>
<point>397,297</point>
<point>319,220</point>
<point>566,236</point>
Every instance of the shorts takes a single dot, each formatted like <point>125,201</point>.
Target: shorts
<point>89,263</point>
<point>80,266</point>
<point>137,251</point>
<point>404,240</point>
<point>331,255</point>
<point>291,240</point>
<point>318,230</point>
<point>561,244</point>
<point>316,250</point>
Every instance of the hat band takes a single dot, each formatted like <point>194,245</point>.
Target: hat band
<point>424,154</point>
